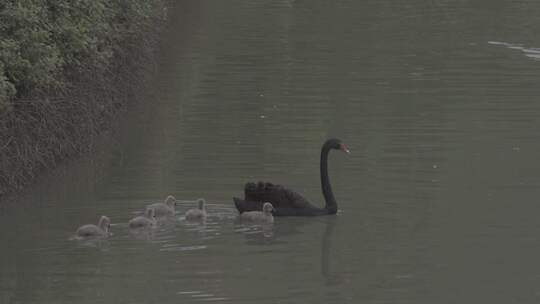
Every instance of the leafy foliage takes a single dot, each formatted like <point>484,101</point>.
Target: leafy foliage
<point>66,69</point>
<point>41,41</point>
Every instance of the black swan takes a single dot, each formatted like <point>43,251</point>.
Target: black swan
<point>287,202</point>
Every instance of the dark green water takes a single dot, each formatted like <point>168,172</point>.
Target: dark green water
<point>437,100</point>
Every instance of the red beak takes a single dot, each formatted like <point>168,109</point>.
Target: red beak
<point>344,148</point>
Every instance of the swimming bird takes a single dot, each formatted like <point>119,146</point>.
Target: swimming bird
<point>287,202</point>
<point>199,213</point>
<point>148,220</point>
<point>264,216</point>
<point>164,209</point>
<point>91,230</point>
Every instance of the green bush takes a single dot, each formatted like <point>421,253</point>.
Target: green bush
<point>31,59</point>
<point>42,40</point>
<point>7,90</point>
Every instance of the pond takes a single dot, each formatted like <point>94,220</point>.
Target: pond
<point>438,200</point>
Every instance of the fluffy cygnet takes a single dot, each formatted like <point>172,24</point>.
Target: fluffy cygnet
<point>91,230</point>
<point>148,220</point>
<point>199,213</point>
<point>264,216</point>
<point>164,209</point>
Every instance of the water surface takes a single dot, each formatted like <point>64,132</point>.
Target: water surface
<point>437,100</point>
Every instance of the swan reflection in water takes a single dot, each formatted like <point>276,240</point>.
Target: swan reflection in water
<point>326,246</point>
<point>267,234</point>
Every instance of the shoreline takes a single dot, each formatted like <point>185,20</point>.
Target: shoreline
<point>41,132</point>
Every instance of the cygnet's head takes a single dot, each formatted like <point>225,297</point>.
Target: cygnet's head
<point>170,201</point>
<point>104,223</point>
<point>267,208</point>
<point>201,203</point>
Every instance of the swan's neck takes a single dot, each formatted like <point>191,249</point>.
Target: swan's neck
<point>103,225</point>
<point>331,204</point>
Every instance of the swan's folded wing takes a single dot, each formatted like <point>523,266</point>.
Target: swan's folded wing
<point>279,196</point>
<point>244,206</point>
<point>298,201</point>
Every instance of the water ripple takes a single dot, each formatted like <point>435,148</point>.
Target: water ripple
<point>531,52</point>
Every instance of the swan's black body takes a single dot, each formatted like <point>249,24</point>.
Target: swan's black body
<point>287,202</point>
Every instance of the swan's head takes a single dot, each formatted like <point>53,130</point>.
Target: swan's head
<point>150,213</point>
<point>201,202</point>
<point>338,145</point>
<point>104,223</point>
<point>267,208</point>
<point>170,201</point>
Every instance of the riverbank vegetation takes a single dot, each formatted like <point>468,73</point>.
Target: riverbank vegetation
<point>66,68</point>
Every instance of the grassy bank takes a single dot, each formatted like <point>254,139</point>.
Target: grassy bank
<point>66,69</point>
